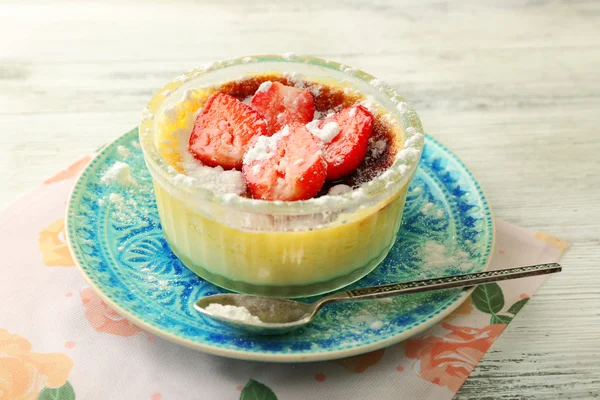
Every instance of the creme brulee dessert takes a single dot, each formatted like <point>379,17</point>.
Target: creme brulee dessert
<point>279,176</point>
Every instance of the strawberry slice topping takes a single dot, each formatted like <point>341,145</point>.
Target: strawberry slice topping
<point>346,139</point>
<point>283,105</point>
<point>286,166</point>
<point>223,131</point>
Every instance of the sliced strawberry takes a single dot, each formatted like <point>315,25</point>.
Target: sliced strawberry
<point>347,149</point>
<point>223,131</point>
<point>286,166</point>
<point>283,105</point>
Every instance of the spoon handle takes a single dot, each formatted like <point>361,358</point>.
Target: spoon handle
<point>448,282</point>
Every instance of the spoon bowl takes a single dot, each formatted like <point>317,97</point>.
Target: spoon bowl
<point>277,315</point>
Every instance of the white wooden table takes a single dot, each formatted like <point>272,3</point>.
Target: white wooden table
<point>513,87</point>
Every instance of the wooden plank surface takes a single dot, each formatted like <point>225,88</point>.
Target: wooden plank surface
<point>513,87</point>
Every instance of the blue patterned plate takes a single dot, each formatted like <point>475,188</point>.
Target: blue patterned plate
<point>116,238</point>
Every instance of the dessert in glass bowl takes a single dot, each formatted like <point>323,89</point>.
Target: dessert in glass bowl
<point>280,175</point>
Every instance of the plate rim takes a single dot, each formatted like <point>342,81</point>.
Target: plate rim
<point>264,356</point>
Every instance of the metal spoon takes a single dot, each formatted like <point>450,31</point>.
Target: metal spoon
<point>282,315</point>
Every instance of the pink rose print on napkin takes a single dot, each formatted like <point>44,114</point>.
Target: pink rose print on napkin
<point>102,318</point>
<point>70,172</point>
<point>448,360</point>
<point>463,310</point>
<point>24,374</point>
<point>359,364</point>
<point>53,245</point>
<point>553,241</point>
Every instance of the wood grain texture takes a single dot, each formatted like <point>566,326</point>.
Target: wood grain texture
<point>513,87</point>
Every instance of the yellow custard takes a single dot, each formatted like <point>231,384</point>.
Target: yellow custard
<point>274,263</point>
<point>287,249</point>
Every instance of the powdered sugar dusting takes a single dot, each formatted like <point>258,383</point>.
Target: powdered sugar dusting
<point>376,325</point>
<point>235,313</point>
<point>123,151</point>
<point>369,104</point>
<point>215,179</point>
<point>378,148</point>
<point>409,154</point>
<point>315,90</point>
<point>300,82</point>
<point>265,86</point>
<point>119,172</point>
<point>146,114</point>
<point>437,256</point>
<point>170,114</point>
<point>116,199</point>
<point>430,209</point>
<point>265,147</point>
<point>323,114</point>
<point>427,208</point>
<point>296,77</point>
<point>348,70</point>
<point>339,189</point>
<point>377,83</point>
<point>327,133</point>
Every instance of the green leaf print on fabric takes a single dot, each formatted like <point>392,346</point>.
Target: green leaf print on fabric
<point>500,319</point>
<point>515,308</point>
<point>256,391</point>
<point>65,392</point>
<point>488,298</point>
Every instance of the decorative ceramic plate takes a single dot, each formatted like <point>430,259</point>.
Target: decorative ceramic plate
<point>116,238</point>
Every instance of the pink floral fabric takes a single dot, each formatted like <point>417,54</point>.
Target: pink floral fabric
<point>77,345</point>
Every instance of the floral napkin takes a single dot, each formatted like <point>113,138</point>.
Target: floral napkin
<point>58,340</point>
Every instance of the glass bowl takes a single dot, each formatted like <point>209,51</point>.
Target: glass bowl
<point>275,248</point>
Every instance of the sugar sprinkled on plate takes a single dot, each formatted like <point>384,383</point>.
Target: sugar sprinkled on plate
<point>115,198</point>
<point>123,151</point>
<point>376,325</point>
<point>427,207</point>
<point>119,172</point>
<point>436,256</point>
